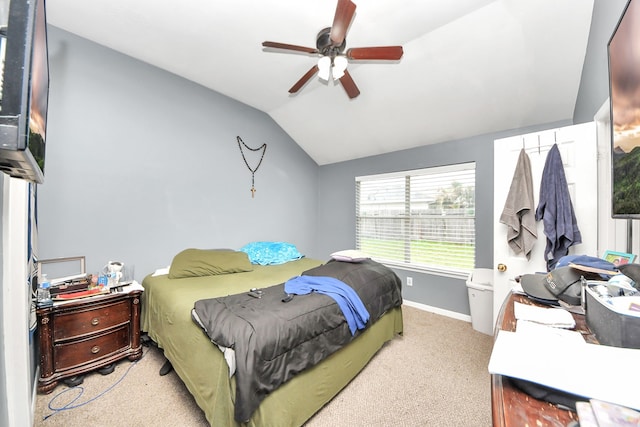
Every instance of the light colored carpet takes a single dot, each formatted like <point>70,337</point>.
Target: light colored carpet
<point>133,395</point>
<point>433,375</point>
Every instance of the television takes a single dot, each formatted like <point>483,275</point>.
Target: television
<point>25,88</point>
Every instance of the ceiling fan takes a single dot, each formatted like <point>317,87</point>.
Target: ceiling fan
<point>330,46</point>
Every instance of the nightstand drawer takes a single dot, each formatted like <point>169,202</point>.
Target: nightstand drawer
<point>82,322</point>
<point>80,336</point>
<point>79,352</point>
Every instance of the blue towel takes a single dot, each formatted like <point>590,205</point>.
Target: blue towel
<point>556,210</point>
<point>347,299</point>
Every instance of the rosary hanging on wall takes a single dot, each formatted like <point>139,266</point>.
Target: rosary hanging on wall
<point>263,147</point>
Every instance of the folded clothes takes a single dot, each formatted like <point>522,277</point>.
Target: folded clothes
<point>556,317</point>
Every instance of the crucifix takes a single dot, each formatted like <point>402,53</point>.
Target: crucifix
<point>263,147</point>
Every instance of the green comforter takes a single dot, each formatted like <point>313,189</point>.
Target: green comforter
<point>274,340</point>
<point>166,317</point>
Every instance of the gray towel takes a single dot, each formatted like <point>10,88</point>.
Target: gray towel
<point>518,213</point>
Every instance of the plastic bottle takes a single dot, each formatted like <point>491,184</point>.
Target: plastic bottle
<point>44,294</point>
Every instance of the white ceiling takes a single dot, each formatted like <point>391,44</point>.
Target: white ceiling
<point>469,67</point>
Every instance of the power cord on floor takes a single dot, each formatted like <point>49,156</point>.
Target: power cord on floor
<point>80,389</point>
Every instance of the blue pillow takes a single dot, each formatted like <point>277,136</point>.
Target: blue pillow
<point>270,253</point>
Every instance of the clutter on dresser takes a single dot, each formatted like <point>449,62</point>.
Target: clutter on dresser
<point>118,275</point>
<point>563,285</point>
<point>584,309</point>
<point>65,275</point>
<point>526,351</point>
<point>608,295</point>
<point>66,278</point>
<point>613,312</point>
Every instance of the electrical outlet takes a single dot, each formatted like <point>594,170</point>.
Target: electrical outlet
<point>409,281</point>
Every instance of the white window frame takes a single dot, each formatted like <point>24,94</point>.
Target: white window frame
<point>438,173</point>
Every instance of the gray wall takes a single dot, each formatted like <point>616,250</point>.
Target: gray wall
<point>594,84</point>
<point>142,164</point>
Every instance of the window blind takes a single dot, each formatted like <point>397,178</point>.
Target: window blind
<point>422,218</point>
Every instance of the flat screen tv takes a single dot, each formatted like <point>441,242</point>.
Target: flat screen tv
<point>25,89</point>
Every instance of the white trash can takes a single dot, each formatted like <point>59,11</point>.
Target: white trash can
<point>480,288</point>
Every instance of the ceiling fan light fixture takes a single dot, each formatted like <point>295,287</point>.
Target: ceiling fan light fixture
<point>324,68</point>
<point>339,67</point>
<point>333,58</point>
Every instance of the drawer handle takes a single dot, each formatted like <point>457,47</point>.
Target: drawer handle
<point>95,321</point>
<point>95,349</point>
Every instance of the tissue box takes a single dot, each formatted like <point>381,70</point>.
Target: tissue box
<point>613,324</point>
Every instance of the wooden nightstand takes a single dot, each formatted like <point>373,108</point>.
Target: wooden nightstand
<point>87,334</point>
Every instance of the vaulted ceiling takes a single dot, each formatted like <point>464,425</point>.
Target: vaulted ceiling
<point>469,67</point>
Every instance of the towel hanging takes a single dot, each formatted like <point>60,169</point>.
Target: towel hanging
<point>518,212</point>
<point>556,210</point>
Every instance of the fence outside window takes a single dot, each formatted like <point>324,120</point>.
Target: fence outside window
<point>422,219</point>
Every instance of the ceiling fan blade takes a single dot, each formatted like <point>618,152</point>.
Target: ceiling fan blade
<point>289,47</point>
<point>379,52</point>
<point>349,85</point>
<point>341,21</point>
<point>309,74</point>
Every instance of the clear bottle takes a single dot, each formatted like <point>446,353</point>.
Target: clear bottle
<point>43,294</point>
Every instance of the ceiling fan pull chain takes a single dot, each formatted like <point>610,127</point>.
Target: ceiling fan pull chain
<point>263,147</point>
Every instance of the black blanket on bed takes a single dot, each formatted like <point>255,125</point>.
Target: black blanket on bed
<point>274,340</point>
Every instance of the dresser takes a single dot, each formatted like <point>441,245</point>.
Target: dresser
<point>87,334</point>
<point>512,407</point>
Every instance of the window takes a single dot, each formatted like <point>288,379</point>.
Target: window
<point>422,219</point>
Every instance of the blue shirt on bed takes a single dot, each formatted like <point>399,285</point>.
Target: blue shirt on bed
<point>347,299</point>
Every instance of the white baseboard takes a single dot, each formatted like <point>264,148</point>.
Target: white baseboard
<point>436,310</point>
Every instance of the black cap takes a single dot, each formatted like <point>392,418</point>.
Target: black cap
<point>560,284</point>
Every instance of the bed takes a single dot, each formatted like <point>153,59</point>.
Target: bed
<point>166,317</point>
